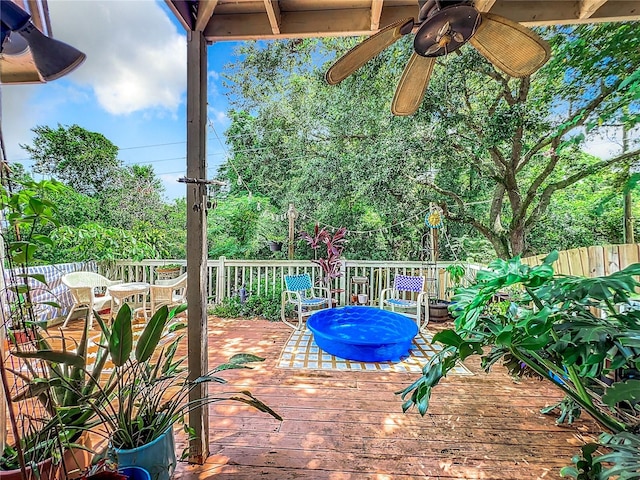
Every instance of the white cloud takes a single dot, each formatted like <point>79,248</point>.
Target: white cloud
<point>608,142</point>
<point>136,59</point>
<point>218,116</point>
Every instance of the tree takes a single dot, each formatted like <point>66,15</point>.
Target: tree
<point>501,147</point>
<point>521,138</point>
<point>84,160</point>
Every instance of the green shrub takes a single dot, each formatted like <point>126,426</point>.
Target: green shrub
<point>257,305</point>
<point>229,308</point>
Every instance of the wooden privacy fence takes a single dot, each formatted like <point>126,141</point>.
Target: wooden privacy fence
<point>225,276</point>
<point>592,261</point>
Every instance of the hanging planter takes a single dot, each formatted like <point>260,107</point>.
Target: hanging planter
<point>275,246</point>
<point>168,272</point>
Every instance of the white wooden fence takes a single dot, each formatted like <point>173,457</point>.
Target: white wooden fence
<point>225,276</point>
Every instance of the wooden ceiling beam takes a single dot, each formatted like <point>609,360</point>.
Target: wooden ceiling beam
<point>376,12</point>
<point>564,12</point>
<point>484,5</point>
<point>589,7</point>
<point>292,25</point>
<point>205,11</point>
<point>273,12</point>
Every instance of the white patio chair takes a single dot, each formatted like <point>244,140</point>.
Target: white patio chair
<point>406,294</point>
<point>82,286</point>
<point>168,292</point>
<point>301,293</point>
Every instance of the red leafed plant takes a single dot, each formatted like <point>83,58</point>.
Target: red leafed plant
<point>335,244</point>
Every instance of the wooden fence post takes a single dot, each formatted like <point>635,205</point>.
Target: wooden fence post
<point>342,296</point>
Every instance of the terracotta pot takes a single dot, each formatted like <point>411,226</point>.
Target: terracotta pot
<point>47,471</point>
<point>76,460</point>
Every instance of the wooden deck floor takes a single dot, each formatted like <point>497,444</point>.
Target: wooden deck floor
<point>349,425</point>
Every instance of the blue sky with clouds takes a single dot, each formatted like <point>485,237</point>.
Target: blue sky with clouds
<point>131,88</point>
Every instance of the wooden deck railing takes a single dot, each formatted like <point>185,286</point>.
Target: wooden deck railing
<point>225,276</point>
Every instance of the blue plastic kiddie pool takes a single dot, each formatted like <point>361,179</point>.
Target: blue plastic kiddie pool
<point>365,334</point>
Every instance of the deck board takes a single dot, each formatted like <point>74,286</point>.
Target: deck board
<point>350,425</point>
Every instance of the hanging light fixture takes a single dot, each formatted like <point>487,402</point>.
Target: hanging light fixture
<point>52,58</point>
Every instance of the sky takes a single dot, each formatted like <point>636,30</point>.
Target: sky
<point>131,88</point>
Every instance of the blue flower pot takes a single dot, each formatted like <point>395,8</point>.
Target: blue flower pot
<point>135,473</point>
<point>157,457</point>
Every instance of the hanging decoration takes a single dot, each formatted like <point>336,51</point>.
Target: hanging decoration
<point>434,218</point>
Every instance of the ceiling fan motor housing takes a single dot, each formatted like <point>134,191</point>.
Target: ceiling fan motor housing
<point>446,30</point>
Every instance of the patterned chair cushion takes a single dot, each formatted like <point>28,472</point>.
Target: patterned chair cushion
<point>408,283</point>
<point>297,283</point>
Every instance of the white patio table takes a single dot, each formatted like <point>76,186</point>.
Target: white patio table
<point>123,291</point>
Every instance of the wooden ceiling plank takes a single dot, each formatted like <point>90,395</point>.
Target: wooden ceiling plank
<point>589,7</point>
<point>329,23</point>
<point>376,12</point>
<point>205,11</point>
<point>273,12</point>
<point>484,5</point>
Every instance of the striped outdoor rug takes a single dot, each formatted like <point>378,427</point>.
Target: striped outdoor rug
<point>301,352</point>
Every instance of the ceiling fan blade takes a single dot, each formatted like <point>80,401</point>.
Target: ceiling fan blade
<point>433,49</point>
<point>365,51</point>
<point>509,46</point>
<point>412,85</point>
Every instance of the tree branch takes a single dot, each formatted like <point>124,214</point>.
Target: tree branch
<point>545,197</point>
<point>575,120</point>
<point>533,188</point>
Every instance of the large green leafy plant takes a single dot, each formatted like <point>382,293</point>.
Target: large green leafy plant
<point>579,333</point>
<point>134,404</point>
<point>29,216</point>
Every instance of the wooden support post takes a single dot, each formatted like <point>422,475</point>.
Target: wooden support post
<point>292,215</point>
<point>197,239</point>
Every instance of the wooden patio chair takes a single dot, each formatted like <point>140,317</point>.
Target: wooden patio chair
<point>407,295</point>
<point>301,293</point>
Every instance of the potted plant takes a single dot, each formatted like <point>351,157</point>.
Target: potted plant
<point>134,405</point>
<point>168,271</point>
<point>272,231</point>
<point>330,265</point>
<point>439,308</point>
<point>579,333</point>
<point>69,381</point>
<point>38,435</point>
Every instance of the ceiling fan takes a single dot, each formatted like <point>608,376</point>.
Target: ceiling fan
<point>443,26</point>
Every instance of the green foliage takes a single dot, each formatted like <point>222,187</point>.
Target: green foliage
<point>621,462</point>
<point>133,405</point>
<point>553,329</point>
<point>84,160</point>
<point>30,215</point>
<point>233,227</point>
<point>502,148</point>
<point>229,308</point>
<point>262,305</point>
<point>93,241</point>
